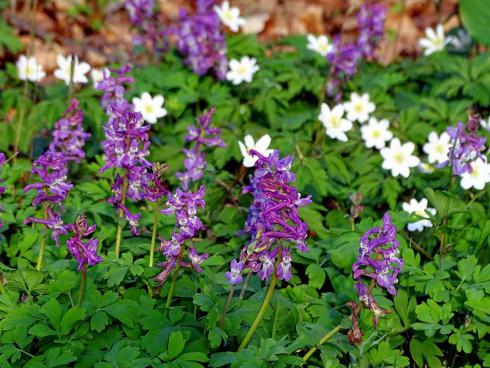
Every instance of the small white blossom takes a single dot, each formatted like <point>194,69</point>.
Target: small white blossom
<point>376,133</point>
<point>419,209</point>
<point>359,107</point>
<point>485,124</point>
<point>29,69</point>
<point>64,69</point>
<point>426,168</point>
<point>334,123</point>
<point>437,148</point>
<point>262,147</point>
<point>98,74</point>
<point>399,158</point>
<point>150,107</point>
<point>479,176</point>
<point>242,70</point>
<point>319,44</point>
<point>229,16</point>
<point>434,40</point>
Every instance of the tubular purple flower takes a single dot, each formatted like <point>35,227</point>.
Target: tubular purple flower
<point>379,261</point>
<point>466,145</point>
<point>68,135</point>
<point>273,220</point>
<point>201,40</point>
<point>52,222</point>
<point>234,276</point>
<point>371,20</point>
<point>150,30</point>
<point>85,252</point>
<point>51,169</point>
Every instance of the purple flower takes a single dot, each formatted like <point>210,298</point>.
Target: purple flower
<point>371,20</point>
<point>344,58</point>
<point>201,40</point>
<point>466,145</point>
<point>234,276</point>
<point>85,252</point>
<point>196,259</point>
<point>273,220</point>
<point>150,30</point>
<point>202,135</point>
<point>52,222</point>
<point>53,187</point>
<point>69,136</point>
<point>378,260</point>
<point>113,87</point>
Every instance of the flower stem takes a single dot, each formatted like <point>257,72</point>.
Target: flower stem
<point>174,277</point>
<point>245,285</point>
<point>83,280</point>
<point>120,214</point>
<point>42,245</point>
<point>154,233</point>
<point>322,341</point>
<point>261,313</point>
<point>227,304</point>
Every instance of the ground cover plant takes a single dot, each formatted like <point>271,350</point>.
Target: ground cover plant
<point>233,203</point>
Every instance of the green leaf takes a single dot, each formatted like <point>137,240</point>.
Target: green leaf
<point>316,275</point>
<point>71,317</point>
<point>176,344</point>
<point>41,330</point>
<point>123,310</point>
<point>99,320</point>
<point>475,15</point>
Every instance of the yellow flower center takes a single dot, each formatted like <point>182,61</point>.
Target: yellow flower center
<point>358,107</point>
<point>376,134</point>
<point>399,157</point>
<point>148,109</point>
<point>228,16</point>
<point>241,70</point>
<point>335,122</point>
<point>440,149</point>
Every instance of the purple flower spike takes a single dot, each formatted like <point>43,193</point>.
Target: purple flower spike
<point>84,252</point>
<point>201,40</point>
<point>466,145</point>
<point>378,260</point>
<point>51,169</point>
<point>150,30</point>
<point>371,20</point>
<point>203,135</point>
<point>273,220</point>
<point>69,136</point>
<point>234,276</point>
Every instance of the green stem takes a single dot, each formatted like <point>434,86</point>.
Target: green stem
<point>120,214</point>
<point>82,285</point>
<point>42,245</point>
<point>322,341</point>
<point>20,123</point>
<point>245,286</point>
<point>154,233</point>
<point>227,304</point>
<point>174,277</point>
<point>261,313</point>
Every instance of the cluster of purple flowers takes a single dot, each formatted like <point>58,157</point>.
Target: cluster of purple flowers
<point>85,252</point>
<point>3,160</point>
<point>125,146</point>
<point>68,135</point>
<point>378,260</point>
<point>51,168</point>
<point>344,58</point>
<point>466,145</point>
<point>272,221</point>
<point>201,40</point>
<point>184,203</point>
<point>150,30</point>
<point>203,135</point>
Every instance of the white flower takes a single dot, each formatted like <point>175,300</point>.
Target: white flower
<point>426,168</point>
<point>438,147</point>
<point>334,123</point>
<point>29,69</point>
<point>376,133</point>
<point>479,176</point>
<point>398,158</point>
<point>485,124</point>
<point>359,107</point>
<point>98,74</point>
<point>150,107</point>
<point>319,44</point>
<point>434,40</point>
<point>64,69</point>
<point>242,70</point>
<point>420,209</point>
<point>262,147</point>
<point>229,16</point>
